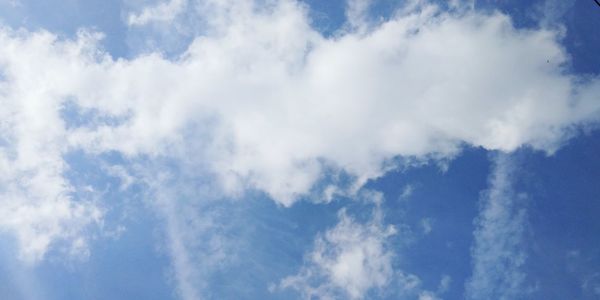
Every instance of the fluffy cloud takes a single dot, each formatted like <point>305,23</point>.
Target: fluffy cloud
<point>355,259</point>
<point>264,101</point>
<point>37,204</point>
<point>347,261</point>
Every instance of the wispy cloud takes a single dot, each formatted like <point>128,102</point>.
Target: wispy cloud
<point>163,12</point>
<point>426,225</point>
<point>498,253</point>
<point>193,233</point>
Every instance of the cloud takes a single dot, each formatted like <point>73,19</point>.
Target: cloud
<point>37,205</point>
<point>426,225</point>
<point>357,13</point>
<point>196,225</point>
<point>580,264</point>
<point>498,253</point>
<point>162,12</point>
<point>407,191</point>
<point>184,270</point>
<point>263,101</point>
<point>428,296</point>
<point>347,261</point>
<point>444,284</point>
<point>549,12</point>
<point>356,259</point>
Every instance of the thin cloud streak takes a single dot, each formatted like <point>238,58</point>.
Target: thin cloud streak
<point>498,254</point>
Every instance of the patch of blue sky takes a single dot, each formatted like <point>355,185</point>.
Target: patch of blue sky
<point>258,241</point>
<point>264,242</point>
<point>449,200</point>
<point>125,267</point>
<point>327,16</point>
<point>563,217</point>
<point>579,19</point>
<point>280,236</point>
<point>76,116</point>
<point>125,262</point>
<point>273,241</point>
<point>67,17</point>
<point>16,280</point>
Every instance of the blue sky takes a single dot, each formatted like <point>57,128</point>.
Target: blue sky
<point>346,149</point>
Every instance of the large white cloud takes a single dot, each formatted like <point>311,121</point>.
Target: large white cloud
<point>266,102</point>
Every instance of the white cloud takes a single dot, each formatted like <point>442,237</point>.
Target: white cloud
<point>36,201</point>
<point>407,191</point>
<point>276,99</point>
<point>444,284</point>
<point>347,261</point>
<point>196,224</point>
<point>428,296</point>
<point>355,259</point>
<point>550,12</point>
<point>357,13</point>
<point>498,255</point>
<point>163,12</point>
<point>426,225</point>
<point>121,173</point>
<point>184,269</point>
<point>266,102</point>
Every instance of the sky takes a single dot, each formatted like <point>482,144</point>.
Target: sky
<point>287,149</point>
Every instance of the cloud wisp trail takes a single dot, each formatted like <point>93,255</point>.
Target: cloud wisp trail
<point>498,253</point>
